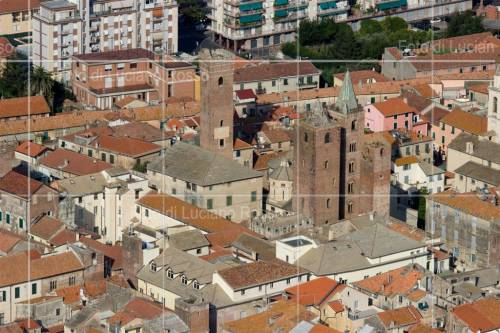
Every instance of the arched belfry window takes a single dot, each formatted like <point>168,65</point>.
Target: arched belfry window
<point>221,81</point>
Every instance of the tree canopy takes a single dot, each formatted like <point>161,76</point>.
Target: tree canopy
<point>465,23</point>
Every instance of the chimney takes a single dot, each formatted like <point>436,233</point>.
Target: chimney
<point>469,147</point>
<point>65,162</point>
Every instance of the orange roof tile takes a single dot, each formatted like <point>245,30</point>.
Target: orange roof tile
<point>313,292</point>
<point>63,237</point>
<point>406,160</point>
<point>479,88</point>
<point>318,328</point>
<point>19,185</point>
<point>363,76</point>
<point>8,240</point>
<point>73,162</point>
<point>126,146</point>
<point>481,316</point>
<point>468,203</point>
<point>11,6</point>
<point>31,149</point>
<point>401,281</point>
<point>466,121</point>
<point>400,317</point>
<point>423,328</point>
<point>23,106</point>
<point>393,106</point>
<point>137,308</point>
<point>336,306</point>
<point>416,295</point>
<point>240,144</point>
<point>46,227</point>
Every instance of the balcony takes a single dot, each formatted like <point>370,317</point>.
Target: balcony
<point>308,84</point>
<point>333,11</point>
<point>240,2</point>
<point>249,21</point>
<point>283,15</point>
<point>391,4</point>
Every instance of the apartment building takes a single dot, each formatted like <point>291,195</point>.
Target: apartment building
<point>15,16</point>
<point>467,224</point>
<point>43,275</point>
<point>22,199</point>
<point>64,28</point>
<point>102,202</point>
<point>100,80</point>
<point>209,181</point>
<point>244,25</point>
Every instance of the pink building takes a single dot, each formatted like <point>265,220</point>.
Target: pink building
<point>391,114</point>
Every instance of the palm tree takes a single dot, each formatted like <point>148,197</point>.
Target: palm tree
<point>41,83</point>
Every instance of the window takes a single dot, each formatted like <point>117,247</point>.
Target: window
<point>108,68</point>
<point>350,188</point>
<point>229,200</point>
<point>352,147</point>
<point>146,212</point>
<point>327,138</point>
<point>1,217</point>
<point>53,285</point>
<point>3,296</point>
<point>328,203</point>
<point>326,164</point>
<point>395,125</point>
<point>120,65</point>
<point>221,81</point>
<point>285,82</point>
<point>305,137</point>
<point>253,196</point>
<point>137,195</point>
<point>184,280</point>
<point>72,281</point>
<point>354,125</point>
<point>21,223</point>
<point>137,209</point>
<point>242,292</point>
<point>133,65</point>
<point>7,218</point>
<point>350,207</point>
<point>58,312</point>
<point>271,285</point>
<point>112,159</point>
<point>33,289</point>
<point>210,203</point>
<point>170,274</point>
<point>351,166</point>
<point>452,129</point>
<point>103,157</point>
<point>89,153</point>
<point>196,285</point>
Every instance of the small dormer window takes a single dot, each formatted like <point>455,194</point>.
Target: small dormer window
<point>196,285</point>
<point>153,266</point>
<point>170,274</point>
<point>184,280</point>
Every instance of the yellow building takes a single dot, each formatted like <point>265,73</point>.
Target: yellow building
<point>15,15</point>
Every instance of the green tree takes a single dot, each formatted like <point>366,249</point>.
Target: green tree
<point>370,27</point>
<point>392,24</point>
<point>14,77</point>
<point>465,23</point>
<point>41,83</point>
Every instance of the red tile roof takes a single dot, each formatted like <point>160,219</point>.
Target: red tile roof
<point>393,106</point>
<point>11,6</point>
<point>466,121</point>
<point>51,265</point>
<point>260,272</point>
<point>400,317</point>
<point>245,94</point>
<point>8,240</point>
<point>240,144</point>
<point>363,76</point>
<point>126,146</point>
<point>77,164</point>
<point>63,237</point>
<point>137,308</point>
<point>336,306</point>
<point>46,227</point>
<point>111,251</point>
<point>23,106</point>
<point>314,292</point>
<point>480,316</point>
<point>19,185</point>
<point>31,149</point>
<point>318,328</point>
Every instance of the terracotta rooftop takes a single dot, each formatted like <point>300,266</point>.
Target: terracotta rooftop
<point>63,237</point>
<point>314,292</point>
<point>481,88</point>
<point>259,272</point>
<point>468,203</point>
<point>401,281</point>
<point>363,76</point>
<point>46,227</point>
<point>462,42</point>
<point>31,149</point>
<point>8,240</point>
<point>240,144</point>
<point>434,62</point>
<point>125,101</point>
<point>466,121</point>
<point>114,252</point>
<point>406,160</point>
<point>481,316</point>
<point>400,317</point>
<point>394,106</point>
<point>23,106</point>
<point>137,308</point>
<point>19,185</point>
<point>12,6</point>
<point>191,215</point>
<point>44,267</point>
<point>281,317</point>
<point>336,306</point>
<point>270,71</point>
<point>245,94</point>
<point>73,163</point>
<point>126,146</point>
<point>423,328</point>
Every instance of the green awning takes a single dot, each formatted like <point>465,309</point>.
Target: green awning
<point>251,18</point>
<point>391,4</point>
<point>281,13</point>
<point>280,2</point>
<point>251,6</point>
<point>328,5</point>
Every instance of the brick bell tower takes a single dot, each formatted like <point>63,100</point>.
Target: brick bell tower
<point>217,68</point>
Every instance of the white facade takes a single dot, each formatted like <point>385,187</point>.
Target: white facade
<point>494,107</point>
<point>289,252</point>
<point>411,177</point>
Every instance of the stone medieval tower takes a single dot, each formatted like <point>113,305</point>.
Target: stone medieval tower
<point>217,108</point>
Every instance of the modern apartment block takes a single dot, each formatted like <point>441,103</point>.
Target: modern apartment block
<point>249,24</point>
<point>64,28</point>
